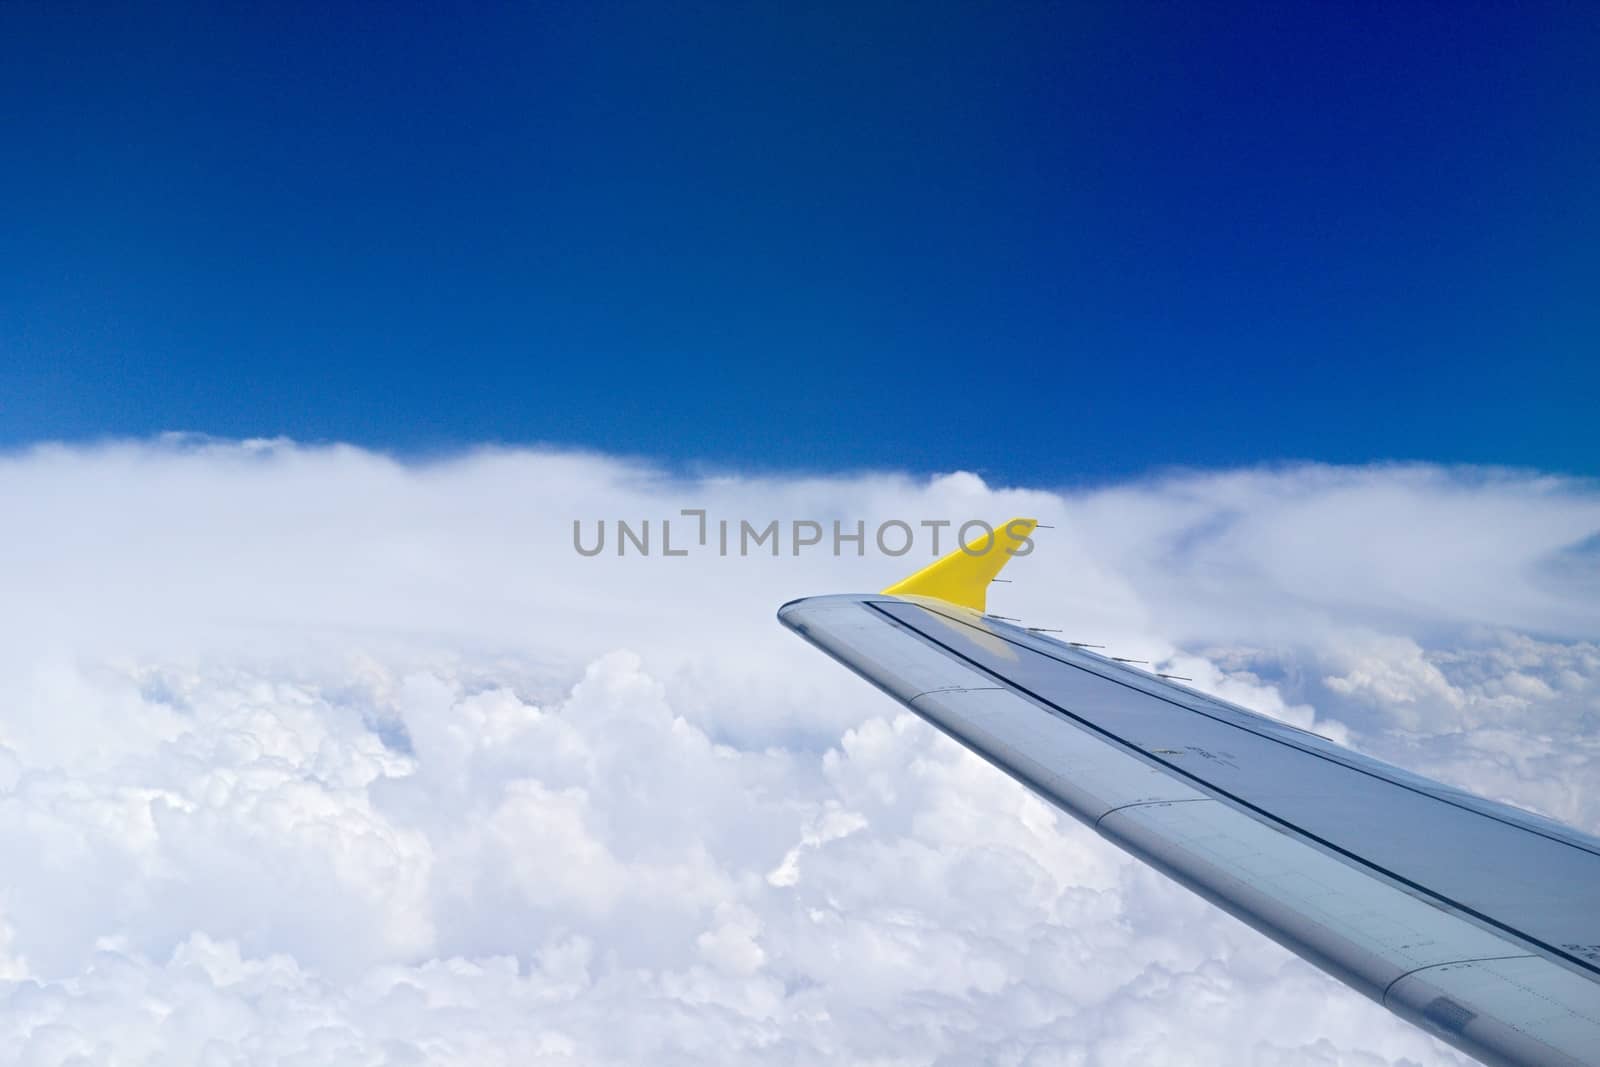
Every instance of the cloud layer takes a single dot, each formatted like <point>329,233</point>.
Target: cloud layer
<point>309,756</point>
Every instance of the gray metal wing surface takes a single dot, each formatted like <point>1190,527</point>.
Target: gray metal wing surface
<point>1474,920</point>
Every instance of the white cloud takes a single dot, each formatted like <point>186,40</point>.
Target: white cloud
<point>308,756</point>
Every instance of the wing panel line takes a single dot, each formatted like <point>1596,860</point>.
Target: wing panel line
<point>1146,804</point>
<point>1267,736</point>
<point>1384,999</point>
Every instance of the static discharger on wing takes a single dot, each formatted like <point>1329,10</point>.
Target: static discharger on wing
<point>960,577</point>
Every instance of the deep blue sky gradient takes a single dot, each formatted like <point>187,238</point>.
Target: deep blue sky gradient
<point>1049,242</point>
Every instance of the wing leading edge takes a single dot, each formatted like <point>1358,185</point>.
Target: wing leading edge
<point>1476,921</point>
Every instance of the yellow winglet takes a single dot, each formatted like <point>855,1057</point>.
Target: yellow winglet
<point>964,575</point>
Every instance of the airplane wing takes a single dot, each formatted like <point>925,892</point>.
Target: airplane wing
<point>1477,921</point>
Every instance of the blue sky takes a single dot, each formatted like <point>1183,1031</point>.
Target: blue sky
<point>1052,243</point>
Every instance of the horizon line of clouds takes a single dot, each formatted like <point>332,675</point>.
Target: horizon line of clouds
<point>692,470</point>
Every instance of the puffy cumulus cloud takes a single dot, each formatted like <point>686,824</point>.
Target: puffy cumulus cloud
<point>597,881</point>
<point>309,756</point>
